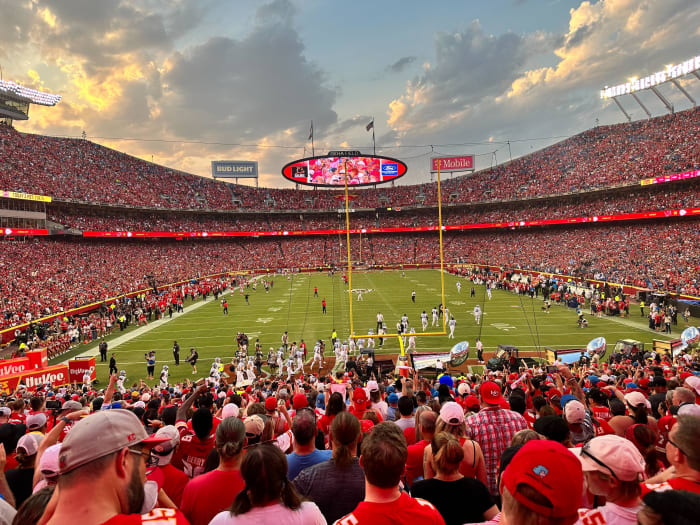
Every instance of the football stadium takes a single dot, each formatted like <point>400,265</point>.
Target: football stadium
<point>350,334</point>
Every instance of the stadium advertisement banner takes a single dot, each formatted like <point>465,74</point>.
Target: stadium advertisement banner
<point>57,375</point>
<point>24,231</point>
<point>234,169</point>
<point>78,367</point>
<point>452,227</point>
<point>38,358</point>
<point>671,178</point>
<point>327,170</point>
<point>24,196</point>
<point>450,164</point>
<point>10,367</point>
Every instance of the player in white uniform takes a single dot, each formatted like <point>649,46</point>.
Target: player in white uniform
<point>240,372</point>
<point>336,350</point>
<point>452,323</point>
<point>343,354</point>
<point>404,323</point>
<point>250,371</point>
<point>352,345</point>
<point>164,373</point>
<point>280,360</point>
<point>359,295</point>
<point>318,358</point>
<point>477,314</point>
<point>370,340</point>
<point>488,291</point>
<point>290,367</point>
<point>424,320</point>
<point>459,287</point>
<point>120,382</point>
<point>435,317</point>
<point>411,340</point>
<point>300,360</point>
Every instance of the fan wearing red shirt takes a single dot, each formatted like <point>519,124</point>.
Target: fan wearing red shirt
<point>103,470</point>
<point>683,453</point>
<point>194,448</point>
<point>360,404</point>
<point>383,460</point>
<point>414,460</point>
<point>207,495</point>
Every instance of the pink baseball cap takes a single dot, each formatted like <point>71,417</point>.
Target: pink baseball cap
<point>634,399</point>
<point>451,413</point>
<point>575,412</point>
<point>550,469</point>
<point>611,455</point>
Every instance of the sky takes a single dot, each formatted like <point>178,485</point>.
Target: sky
<point>185,82</point>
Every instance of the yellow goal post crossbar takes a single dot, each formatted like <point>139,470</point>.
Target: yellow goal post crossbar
<point>442,273</point>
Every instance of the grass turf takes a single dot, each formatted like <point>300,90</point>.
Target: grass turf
<point>291,305</point>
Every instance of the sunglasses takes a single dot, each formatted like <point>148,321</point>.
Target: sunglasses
<point>151,460</point>
<point>586,451</point>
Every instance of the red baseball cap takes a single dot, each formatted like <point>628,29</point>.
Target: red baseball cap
<point>299,401</point>
<point>270,403</point>
<point>366,425</point>
<point>553,392</point>
<point>553,471</point>
<point>490,393</point>
<point>470,402</point>
<point>359,396</point>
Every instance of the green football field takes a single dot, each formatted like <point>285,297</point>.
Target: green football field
<point>291,306</point>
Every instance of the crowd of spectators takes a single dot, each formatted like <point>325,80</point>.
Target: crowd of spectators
<point>652,198</point>
<point>600,157</point>
<point>48,275</point>
<point>613,442</point>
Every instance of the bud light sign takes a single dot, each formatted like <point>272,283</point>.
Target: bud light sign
<point>234,169</point>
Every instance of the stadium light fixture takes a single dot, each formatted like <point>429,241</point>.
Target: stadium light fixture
<point>16,90</point>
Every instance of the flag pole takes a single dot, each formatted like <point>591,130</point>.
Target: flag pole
<point>313,151</point>
<point>374,143</point>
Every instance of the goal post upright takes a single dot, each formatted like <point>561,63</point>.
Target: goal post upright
<point>347,242</point>
<point>349,270</point>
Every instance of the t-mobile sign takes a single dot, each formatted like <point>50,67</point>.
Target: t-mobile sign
<point>460,163</point>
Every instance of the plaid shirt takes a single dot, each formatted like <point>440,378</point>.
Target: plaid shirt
<point>493,428</point>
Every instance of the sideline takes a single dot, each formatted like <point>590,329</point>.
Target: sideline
<point>138,332</point>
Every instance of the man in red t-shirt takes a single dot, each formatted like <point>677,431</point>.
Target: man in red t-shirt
<point>194,448</point>
<point>683,453</point>
<point>103,470</point>
<point>383,460</point>
<point>207,495</point>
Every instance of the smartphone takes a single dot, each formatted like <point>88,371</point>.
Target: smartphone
<point>551,369</point>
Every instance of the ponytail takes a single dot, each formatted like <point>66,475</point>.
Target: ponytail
<point>241,504</point>
<point>290,497</point>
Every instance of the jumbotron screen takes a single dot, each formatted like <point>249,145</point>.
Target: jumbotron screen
<point>329,170</point>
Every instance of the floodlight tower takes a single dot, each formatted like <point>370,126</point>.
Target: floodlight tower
<point>15,100</point>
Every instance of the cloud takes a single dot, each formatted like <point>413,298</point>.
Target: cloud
<point>401,64</point>
<point>539,84</point>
